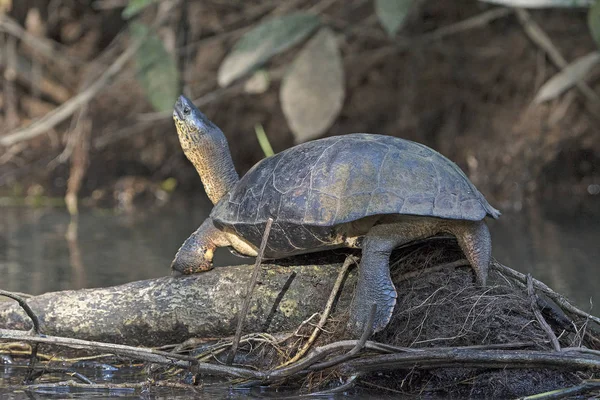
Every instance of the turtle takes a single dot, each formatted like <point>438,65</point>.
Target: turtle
<point>360,190</point>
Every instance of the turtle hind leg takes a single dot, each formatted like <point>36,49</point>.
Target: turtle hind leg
<point>196,253</point>
<point>475,241</point>
<point>374,282</point>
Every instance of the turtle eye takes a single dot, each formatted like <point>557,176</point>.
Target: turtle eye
<point>187,111</point>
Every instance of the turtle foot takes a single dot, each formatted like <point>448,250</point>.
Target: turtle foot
<point>383,296</point>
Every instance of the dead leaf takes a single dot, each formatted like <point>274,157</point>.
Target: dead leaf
<point>567,78</point>
<point>312,91</point>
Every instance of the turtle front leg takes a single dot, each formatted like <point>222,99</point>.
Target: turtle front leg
<point>196,253</point>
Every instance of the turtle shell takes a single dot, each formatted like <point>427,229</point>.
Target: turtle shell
<point>318,185</point>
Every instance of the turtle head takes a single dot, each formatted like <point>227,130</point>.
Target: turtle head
<point>206,147</point>
<point>195,130</point>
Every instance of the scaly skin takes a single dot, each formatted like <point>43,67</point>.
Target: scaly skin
<point>206,147</point>
<point>374,282</point>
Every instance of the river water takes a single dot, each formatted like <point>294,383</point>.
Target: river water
<point>35,257</point>
<point>561,250</point>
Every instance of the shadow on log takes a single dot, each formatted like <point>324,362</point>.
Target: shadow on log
<point>447,336</point>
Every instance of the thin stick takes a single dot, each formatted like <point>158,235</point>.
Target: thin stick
<point>334,292</point>
<point>455,358</point>
<point>23,303</point>
<point>558,298</point>
<point>246,303</point>
<point>349,384</point>
<point>356,349</point>
<point>140,353</point>
<point>35,329</point>
<point>539,316</point>
<point>453,264</point>
<point>66,371</point>
<point>571,392</point>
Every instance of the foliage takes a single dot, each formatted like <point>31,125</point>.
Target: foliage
<point>312,91</point>
<point>392,13</point>
<point>134,7</point>
<point>156,69</point>
<point>594,21</point>
<point>263,140</point>
<point>265,41</point>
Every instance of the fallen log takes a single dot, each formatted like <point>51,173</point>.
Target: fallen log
<point>167,310</point>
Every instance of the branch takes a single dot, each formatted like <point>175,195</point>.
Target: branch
<point>558,298</point>
<point>539,316</point>
<point>459,358</point>
<point>246,303</point>
<point>139,353</point>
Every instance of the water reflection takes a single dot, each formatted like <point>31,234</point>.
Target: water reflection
<point>111,249</point>
<point>559,249</point>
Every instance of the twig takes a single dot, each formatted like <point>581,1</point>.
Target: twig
<point>334,292</point>
<point>572,392</point>
<point>23,304</point>
<point>66,109</point>
<point>9,53</point>
<point>448,265</point>
<point>356,349</point>
<point>140,353</point>
<point>539,37</point>
<point>583,350</point>
<point>455,358</point>
<point>44,46</point>
<point>66,371</point>
<point>558,298</point>
<point>246,303</point>
<point>108,386</point>
<point>539,316</point>
<point>35,329</point>
<point>349,384</point>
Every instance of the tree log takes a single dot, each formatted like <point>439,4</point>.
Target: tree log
<point>172,309</point>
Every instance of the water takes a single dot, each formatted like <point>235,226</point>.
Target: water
<point>113,249</point>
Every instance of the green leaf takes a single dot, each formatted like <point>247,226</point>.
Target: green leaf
<point>156,69</point>
<point>312,91</point>
<point>594,21</point>
<point>263,42</point>
<point>263,140</point>
<point>392,13</point>
<point>134,7</point>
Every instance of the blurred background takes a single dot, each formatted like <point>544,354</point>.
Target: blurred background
<point>95,189</point>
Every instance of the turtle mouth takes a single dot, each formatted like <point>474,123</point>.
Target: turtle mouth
<point>177,115</point>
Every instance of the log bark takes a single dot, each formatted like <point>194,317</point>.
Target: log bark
<point>172,309</point>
